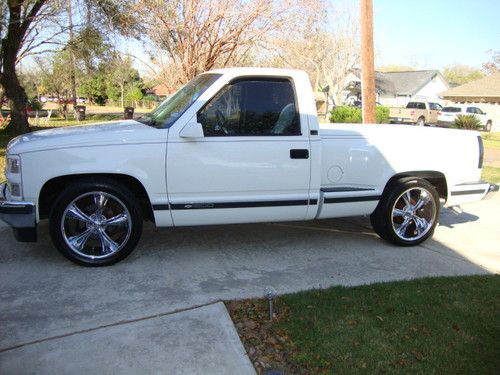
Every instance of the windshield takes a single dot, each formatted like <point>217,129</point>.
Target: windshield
<point>173,107</point>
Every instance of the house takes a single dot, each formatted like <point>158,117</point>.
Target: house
<point>161,90</point>
<point>396,89</point>
<point>483,93</point>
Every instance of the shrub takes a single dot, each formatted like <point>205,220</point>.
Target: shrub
<point>99,100</point>
<point>134,93</point>
<point>35,105</point>
<point>345,114</point>
<point>382,114</point>
<point>151,98</point>
<point>469,122</point>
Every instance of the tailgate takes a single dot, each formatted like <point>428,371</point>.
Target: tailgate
<point>401,113</point>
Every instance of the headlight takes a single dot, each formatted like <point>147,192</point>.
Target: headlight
<point>13,165</point>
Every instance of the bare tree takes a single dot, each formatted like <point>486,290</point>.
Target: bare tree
<point>328,55</point>
<point>493,65</point>
<point>396,68</point>
<point>459,74</point>
<point>198,35</point>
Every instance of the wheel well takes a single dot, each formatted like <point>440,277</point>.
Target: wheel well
<point>436,179</point>
<point>52,188</point>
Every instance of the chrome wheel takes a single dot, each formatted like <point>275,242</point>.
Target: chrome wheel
<point>96,225</point>
<point>413,214</point>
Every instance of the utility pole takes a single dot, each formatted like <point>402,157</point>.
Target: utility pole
<point>367,62</point>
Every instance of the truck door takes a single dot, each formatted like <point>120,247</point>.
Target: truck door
<point>252,163</point>
<point>434,108</point>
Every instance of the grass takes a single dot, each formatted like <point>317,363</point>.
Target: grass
<point>60,121</point>
<point>433,325</point>
<point>491,174</point>
<point>99,108</point>
<point>491,140</point>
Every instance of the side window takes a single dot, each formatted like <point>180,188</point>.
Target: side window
<point>254,107</point>
<point>421,105</point>
<point>470,110</point>
<point>435,106</point>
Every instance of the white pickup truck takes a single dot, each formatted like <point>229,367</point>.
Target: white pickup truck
<point>235,145</point>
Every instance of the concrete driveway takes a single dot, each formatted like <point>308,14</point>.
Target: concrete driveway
<point>44,296</point>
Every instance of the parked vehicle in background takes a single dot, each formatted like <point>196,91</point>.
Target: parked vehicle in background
<point>418,113</point>
<point>448,115</point>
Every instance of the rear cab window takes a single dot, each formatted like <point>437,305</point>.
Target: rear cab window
<point>416,105</point>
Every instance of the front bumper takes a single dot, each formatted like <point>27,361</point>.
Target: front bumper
<point>21,216</point>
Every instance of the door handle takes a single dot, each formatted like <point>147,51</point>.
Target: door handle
<point>299,154</point>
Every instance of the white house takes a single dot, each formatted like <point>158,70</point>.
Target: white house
<point>398,88</point>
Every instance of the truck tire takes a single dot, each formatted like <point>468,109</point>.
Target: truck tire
<point>96,222</point>
<point>408,212</point>
<point>420,121</point>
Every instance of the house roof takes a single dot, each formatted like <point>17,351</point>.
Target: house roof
<point>161,90</point>
<point>486,87</point>
<point>402,83</point>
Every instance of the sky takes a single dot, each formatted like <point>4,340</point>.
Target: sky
<point>431,34</point>
<point>424,34</point>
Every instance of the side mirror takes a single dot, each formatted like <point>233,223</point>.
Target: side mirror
<point>192,130</point>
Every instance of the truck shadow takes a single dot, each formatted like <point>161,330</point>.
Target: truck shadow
<point>450,217</point>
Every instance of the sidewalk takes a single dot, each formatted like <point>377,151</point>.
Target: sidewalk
<point>197,341</point>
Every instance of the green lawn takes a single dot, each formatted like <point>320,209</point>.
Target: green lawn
<point>59,121</point>
<point>491,140</point>
<point>426,326</point>
<point>491,174</point>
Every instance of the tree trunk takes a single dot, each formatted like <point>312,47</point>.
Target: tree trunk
<point>15,94</point>
<point>122,87</point>
<point>18,27</point>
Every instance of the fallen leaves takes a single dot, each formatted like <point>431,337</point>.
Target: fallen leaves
<point>267,346</point>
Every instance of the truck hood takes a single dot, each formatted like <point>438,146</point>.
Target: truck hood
<point>117,132</point>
